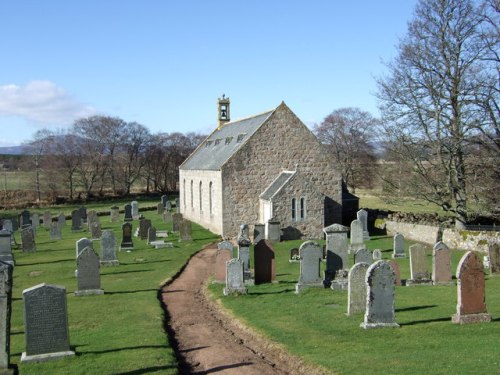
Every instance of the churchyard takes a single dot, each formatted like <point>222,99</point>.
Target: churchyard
<point>120,331</point>
<point>314,326</point>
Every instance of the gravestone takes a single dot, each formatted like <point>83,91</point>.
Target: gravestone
<point>47,219</point>
<point>363,256</point>
<point>151,234</point>
<point>177,205</point>
<point>264,262</point>
<point>223,255</point>
<point>35,221</point>
<point>7,225</point>
<point>55,231</point>
<point>144,225</point>
<point>91,220</point>
<point>45,323</point>
<point>235,283</point>
<point>5,312</point>
<point>127,237</point>
<point>6,247</point>
<point>135,210</point>
<point>273,231</point>
<point>167,216</point>
<point>76,221</point>
<point>160,208</point>
<point>337,261</point>
<point>28,240</point>
<point>379,296</point>
<point>357,241</point>
<point>310,259</point>
<point>61,220</point>
<point>397,272</point>
<point>441,264</point>
<point>294,255</point>
<point>243,232</point>
<point>356,289</point>
<point>244,257</point>
<point>176,221</point>
<point>108,248</point>
<point>88,278</point>
<point>259,232</point>
<point>164,200</point>
<point>471,305</point>
<point>399,247</point>
<point>185,229</point>
<point>83,214</point>
<point>114,214</point>
<point>168,206</point>
<point>362,216</point>
<point>81,244</point>
<point>25,219</point>
<point>419,272</point>
<point>127,213</point>
<point>494,254</point>
<point>377,254</point>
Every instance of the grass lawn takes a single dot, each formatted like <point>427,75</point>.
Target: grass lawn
<point>313,324</point>
<point>120,332</point>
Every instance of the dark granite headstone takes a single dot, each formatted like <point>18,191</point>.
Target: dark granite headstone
<point>264,262</point>
<point>76,220</point>
<point>128,213</point>
<point>28,240</point>
<point>127,236</point>
<point>5,311</point>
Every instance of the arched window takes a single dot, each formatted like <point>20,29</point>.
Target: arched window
<point>294,209</point>
<point>201,201</point>
<point>210,188</point>
<point>192,201</point>
<point>302,208</point>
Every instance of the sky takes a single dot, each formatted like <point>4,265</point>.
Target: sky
<point>164,63</point>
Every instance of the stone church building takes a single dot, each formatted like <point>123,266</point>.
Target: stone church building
<point>265,167</point>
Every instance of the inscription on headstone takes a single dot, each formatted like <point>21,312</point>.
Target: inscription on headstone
<point>127,236</point>
<point>234,278</point>
<point>128,213</point>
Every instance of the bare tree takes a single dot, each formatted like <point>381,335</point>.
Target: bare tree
<point>433,98</point>
<point>348,134</point>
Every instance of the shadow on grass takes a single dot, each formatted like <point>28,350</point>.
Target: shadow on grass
<point>282,274</point>
<point>265,293</point>
<point>131,291</point>
<point>447,319</point>
<point>413,308</point>
<point>131,271</point>
<point>52,262</point>
<point>173,291</point>
<point>193,349</point>
<point>83,352</point>
<point>146,370</point>
<point>220,368</point>
<point>136,263</point>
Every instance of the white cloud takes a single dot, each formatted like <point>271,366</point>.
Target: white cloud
<point>42,102</point>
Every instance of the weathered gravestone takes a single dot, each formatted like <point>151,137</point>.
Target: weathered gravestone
<point>25,219</point>
<point>28,240</point>
<point>114,214</point>
<point>441,264</point>
<point>127,236</point>
<point>47,219</point>
<point>167,216</point>
<point>81,244</point>
<point>76,220</point>
<point>363,256</point>
<point>273,231</point>
<point>144,225</point>
<point>168,206</point>
<point>177,205</point>
<point>83,214</point>
<point>91,217</point>
<point>244,256</point>
<point>294,255</point>
<point>108,249</point>
<point>7,225</point>
<point>399,247</point>
<point>494,254</point>
<point>127,213</point>
<point>264,262</point>
<point>235,283</point>
<point>310,259</point>
<point>356,289</point>
<point>55,231</point>
<point>419,271</point>
<point>176,221</point>
<point>61,220</point>
<point>89,278</point>
<point>357,241</point>
<point>362,216</point>
<point>259,232</point>
<point>397,272</point>
<point>5,312</point>
<point>151,234</point>
<point>160,208</point>
<point>379,296</point>
<point>185,230</point>
<point>95,229</point>
<point>471,305</point>
<point>337,262</point>
<point>6,247</point>
<point>223,255</point>
<point>164,200</point>
<point>35,221</point>
<point>45,323</point>
<point>135,210</point>
<point>377,254</point>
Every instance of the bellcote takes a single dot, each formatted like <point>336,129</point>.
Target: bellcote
<point>223,111</point>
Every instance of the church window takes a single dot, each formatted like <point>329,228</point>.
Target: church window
<point>208,143</point>
<point>210,188</point>
<point>294,209</point>
<point>240,137</point>
<point>217,141</point>
<point>302,208</point>
<point>201,201</point>
<point>192,203</point>
<point>228,140</point>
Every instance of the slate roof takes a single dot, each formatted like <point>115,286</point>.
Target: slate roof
<point>223,143</point>
<point>277,185</point>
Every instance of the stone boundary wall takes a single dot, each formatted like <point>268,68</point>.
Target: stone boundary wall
<point>462,240</point>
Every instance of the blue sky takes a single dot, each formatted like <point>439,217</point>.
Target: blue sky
<point>165,63</point>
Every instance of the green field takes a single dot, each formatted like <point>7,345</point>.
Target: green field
<point>120,332</point>
<point>314,327</point>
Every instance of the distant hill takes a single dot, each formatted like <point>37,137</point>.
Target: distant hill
<point>13,150</point>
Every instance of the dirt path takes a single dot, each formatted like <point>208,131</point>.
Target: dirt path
<point>207,340</point>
